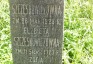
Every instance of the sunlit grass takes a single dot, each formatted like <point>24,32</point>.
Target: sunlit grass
<point>78,32</point>
<point>5,43</point>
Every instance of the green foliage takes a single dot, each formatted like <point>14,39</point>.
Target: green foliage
<point>78,32</point>
<point>5,43</point>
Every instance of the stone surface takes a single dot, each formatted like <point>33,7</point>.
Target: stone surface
<point>37,31</point>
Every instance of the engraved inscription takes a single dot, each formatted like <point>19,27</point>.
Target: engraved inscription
<point>36,9</point>
<point>47,42</point>
<point>37,31</point>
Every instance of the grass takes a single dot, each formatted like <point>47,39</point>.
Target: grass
<point>78,32</point>
<point>5,43</point>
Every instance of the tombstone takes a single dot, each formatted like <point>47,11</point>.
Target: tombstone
<point>36,31</point>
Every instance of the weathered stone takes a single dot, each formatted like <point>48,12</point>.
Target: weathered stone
<point>37,31</point>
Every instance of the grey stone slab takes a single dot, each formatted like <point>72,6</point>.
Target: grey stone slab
<point>37,31</point>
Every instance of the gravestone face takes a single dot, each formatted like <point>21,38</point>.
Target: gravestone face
<point>37,31</point>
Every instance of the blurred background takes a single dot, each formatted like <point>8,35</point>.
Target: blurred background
<point>78,32</point>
